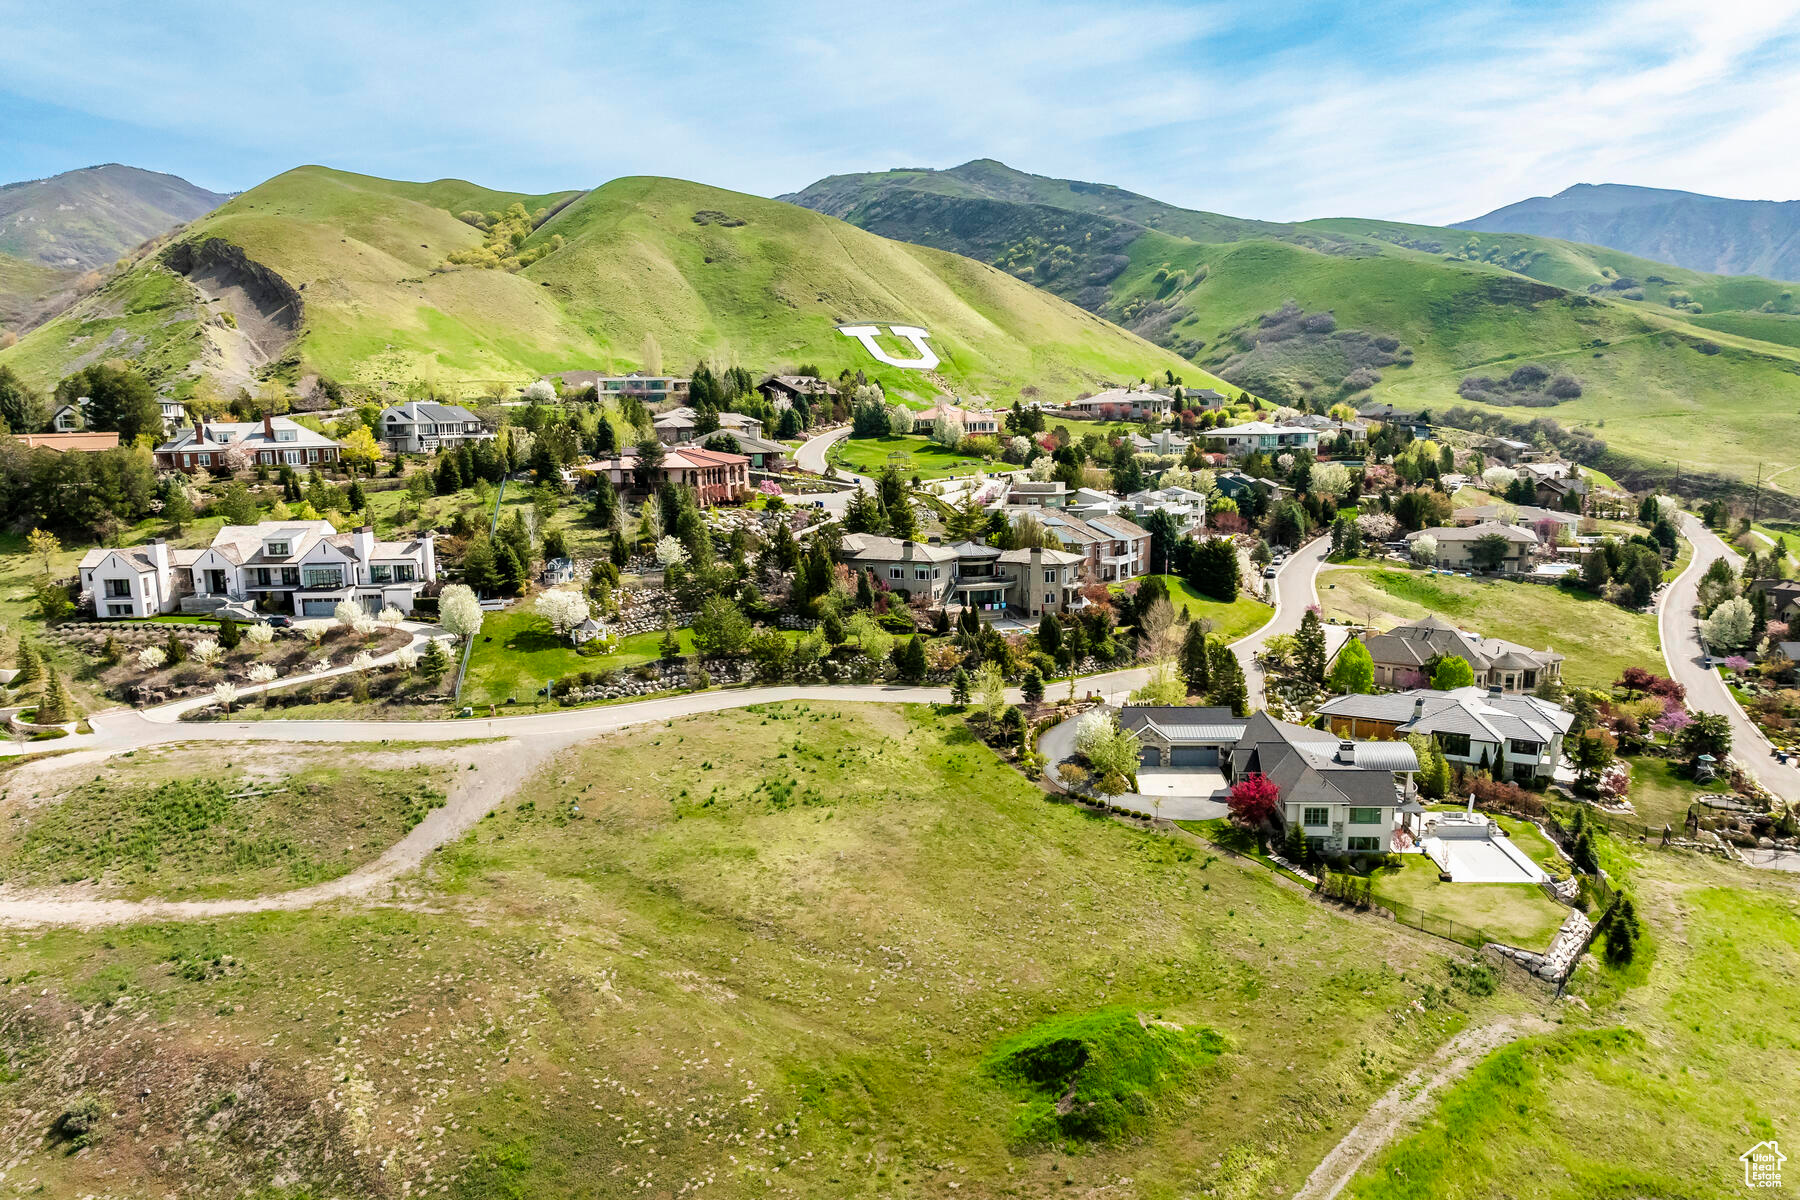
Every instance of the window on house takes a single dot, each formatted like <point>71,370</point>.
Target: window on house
<point>292,457</point>
<point>1524,746</point>
<point>287,435</point>
<point>1530,680</point>
<point>1365,816</point>
<point>1049,597</point>
<point>118,610</point>
<point>325,577</point>
<point>204,460</point>
<point>1455,745</point>
<point>896,572</point>
<point>312,456</point>
<point>290,576</point>
<point>1363,843</point>
<point>276,549</point>
<point>922,572</point>
<point>116,588</point>
<point>1315,816</point>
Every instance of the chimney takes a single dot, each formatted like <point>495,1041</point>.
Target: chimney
<point>364,541</point>
<point>1346,752</point>
<point>1418,708</point>
<point>268,426</point>
<point>159,554</point>
<point>199,430</point>
<point>1495,692</point>
<point>906,550</point>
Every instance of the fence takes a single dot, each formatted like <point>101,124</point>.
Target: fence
<point>1436,925</point>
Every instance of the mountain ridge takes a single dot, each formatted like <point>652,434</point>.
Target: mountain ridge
<point>1687,229</point>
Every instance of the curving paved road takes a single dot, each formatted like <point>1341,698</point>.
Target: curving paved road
<point>1679,626</point>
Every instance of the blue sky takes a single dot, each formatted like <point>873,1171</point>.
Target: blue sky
<point>1420,111</point>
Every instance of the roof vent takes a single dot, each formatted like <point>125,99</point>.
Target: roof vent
<point>1346,752</point>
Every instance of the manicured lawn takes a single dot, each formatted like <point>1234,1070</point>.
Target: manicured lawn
<point>1519,914</point>
<point>1229,621</point>
<point>1598,640</point>
<point>913,455</point>
<point>1661,791</point>
<point>516,653</point>
<point>1530,839</point>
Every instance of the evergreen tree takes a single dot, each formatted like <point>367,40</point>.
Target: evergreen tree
<point>832,627</point>
<point>1309,654</point>
<point>229,634</point>
<point>55,707</point>
<point>1228,689</point>
<point>31,665</point>
<point>175,650</point>
<point>1049,635</point>
<point>909,658</point>
<point>1196,666</point>
<point>1033,687</point>
<point>959,687</point>
<point>618,552</point>
<point>435,661</point>
<point>865,591</point>
<point>177,509</point>
<point>479,567</point>
<point>508,570</point>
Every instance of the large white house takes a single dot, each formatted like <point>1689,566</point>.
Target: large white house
<point>421,427</point>
<point>300,567</point>
<point>1251,436</point>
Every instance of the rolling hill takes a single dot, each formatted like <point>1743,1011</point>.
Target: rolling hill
<point>1675,366</point>
<point>1705,233</point>
<point>347,276</point>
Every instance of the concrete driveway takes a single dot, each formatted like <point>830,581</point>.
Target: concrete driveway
<point>1173,795</point>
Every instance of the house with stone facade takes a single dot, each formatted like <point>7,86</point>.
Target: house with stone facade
<point>1023,583</point>
<point>1347,796</point>
<point>1475,727</point>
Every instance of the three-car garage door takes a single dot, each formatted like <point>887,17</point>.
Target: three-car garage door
<point>1194,756</point>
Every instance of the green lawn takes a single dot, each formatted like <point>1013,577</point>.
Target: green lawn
<point>1661,792</point>
<point>1597,639</point>
<point>1229,621</point>
<point>1519,914</point>
<point>516,653</point>
<point>829,924</point>
<point>912,455</point>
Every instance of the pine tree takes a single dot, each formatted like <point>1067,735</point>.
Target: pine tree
<point>1228,688</point>
<point>435,661</point>
<point>1049,634</point>
<point>1033,687</point>
<point>910,658</point>
<point>175,649</point>
<point>31,665</point>
<point>55,707</point>
<point>229,634</point>
<point>1309,655</point>
<point>618,553</point>
<point>509,572</point>
<point>959,687</point>
<point>865,591</point>
<point>1195,667</point>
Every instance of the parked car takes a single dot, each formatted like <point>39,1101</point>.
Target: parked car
<point>1270,572</point>
<point>278,621</point>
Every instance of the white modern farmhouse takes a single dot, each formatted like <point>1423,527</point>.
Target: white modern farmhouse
<point>303,568</point>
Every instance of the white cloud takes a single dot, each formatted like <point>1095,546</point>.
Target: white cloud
<point>1397,110</point>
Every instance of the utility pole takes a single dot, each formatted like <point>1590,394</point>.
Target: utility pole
<point>1756,496</point>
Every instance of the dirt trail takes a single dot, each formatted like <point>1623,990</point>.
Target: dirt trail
<point>1409,1100</point>
<point>503,769</point>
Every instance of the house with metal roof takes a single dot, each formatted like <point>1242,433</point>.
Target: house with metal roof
<point>1405,656</point>
<point>1474,727</point>
<point>1173,735</point>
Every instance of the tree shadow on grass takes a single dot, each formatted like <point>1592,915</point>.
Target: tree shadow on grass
<point>534,640</point>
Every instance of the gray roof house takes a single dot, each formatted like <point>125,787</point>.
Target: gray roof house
<point>421,427</point>
<point>1172,735</point>
<point>1455,543</point>
<point>1404,654</point>
<point>1473,727</point>
<point>1346,796</point>
<point>971,575</point>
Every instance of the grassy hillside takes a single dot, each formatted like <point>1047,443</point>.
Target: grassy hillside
<point>788,950</point>
<point>25,288</point>
<point>763,288</point>
<point>1401,313</point>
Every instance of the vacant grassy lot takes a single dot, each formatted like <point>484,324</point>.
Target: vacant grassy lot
<point>913,455</point>
<point>1599,640</point>
<point>1661,791</point>
<point>1656,1092</point>
<point>786,949</point>
<point>517,652</point>
<point>1519,914</point>
<point>1229,621</point>
<point>219,820</point>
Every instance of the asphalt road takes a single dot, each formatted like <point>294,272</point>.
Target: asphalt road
<point>1679,625</point>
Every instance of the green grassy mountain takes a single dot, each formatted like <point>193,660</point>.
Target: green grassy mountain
<point>86,219</point>
<point>1706,233</point>
<point>349,277</point>
<point>1672,366</point>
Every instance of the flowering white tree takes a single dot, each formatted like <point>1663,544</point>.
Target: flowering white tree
<point>459,612</point>
<point>1040,470</point>
<point>1424,549</point>
<point>365,625</point>
<point>1729,626</point>
<point>947,431</point>
<point>311,631</point>
<point>151,657</point>
<point>259,634</point>
<point>670,552</point>
<point>1018,449</point>
<point>346,612</point>
<point>391,616</point>
<point>363,660</point>
<point>1330,479</point>
<point>226,694</point>
<point>207,651</point>
<point>1377,526</point>
<point>563,609</point>
<point>540,391</point>
<point>237,457</point>
<point>263,673</point>
<point>406,658</point>
<point>322,663</point>
<point>1498,479</point>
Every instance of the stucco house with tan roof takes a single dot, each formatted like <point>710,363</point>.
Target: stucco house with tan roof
<point>1404,656</point>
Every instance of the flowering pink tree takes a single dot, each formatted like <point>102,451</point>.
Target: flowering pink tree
<point>769,487</point>
<point>1255,802</point>
<point>1615,783</point>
